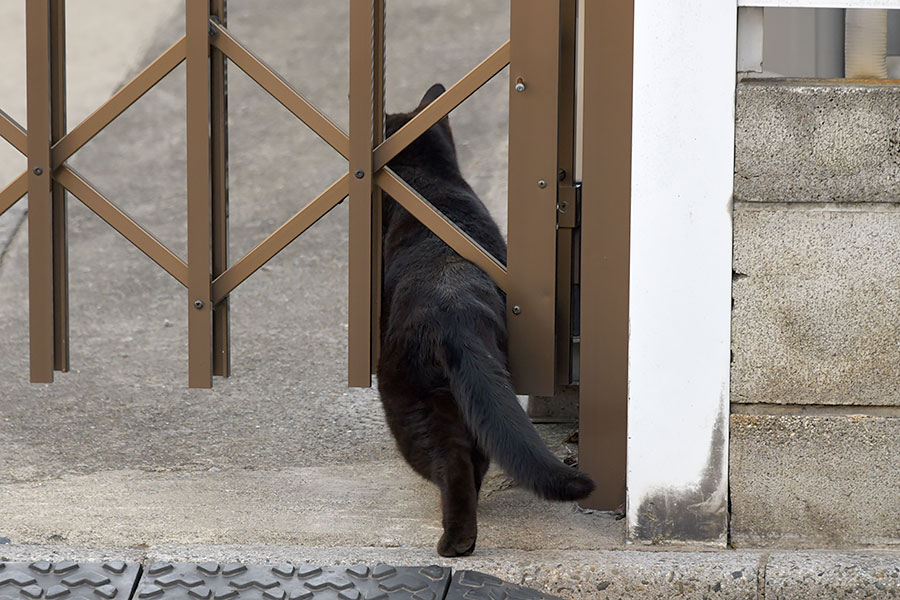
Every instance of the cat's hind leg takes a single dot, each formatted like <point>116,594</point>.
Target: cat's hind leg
<point>459,503</point>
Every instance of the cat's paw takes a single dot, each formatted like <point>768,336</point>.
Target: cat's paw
<point>456,545</point>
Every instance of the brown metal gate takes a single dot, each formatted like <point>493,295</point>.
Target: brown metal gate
<point>545,240</point>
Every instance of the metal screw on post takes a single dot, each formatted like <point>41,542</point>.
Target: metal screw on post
<point>516,309</point>
<point>520,85</point>
<point>38,171</point>
<point>542,183</point>
<point>359,174</point>
<point>198,304</point>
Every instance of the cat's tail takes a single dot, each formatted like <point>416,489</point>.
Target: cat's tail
<point>482,389</point>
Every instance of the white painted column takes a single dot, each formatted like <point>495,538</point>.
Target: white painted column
<point>683,157</point>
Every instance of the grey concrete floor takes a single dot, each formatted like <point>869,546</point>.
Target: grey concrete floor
<point>118,452</point>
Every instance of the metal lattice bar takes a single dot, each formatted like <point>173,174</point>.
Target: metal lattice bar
<point>121,100</point>
<point>277,241</point>
<point>13,192</point>
<point>378,112</point>
<point>442,105</point>
<point>442,227</point>
<point>13,133</point>
<point>199,234</point>
<point>280,89</point>
<point>57,193</point>
<point>362,55</point>
<point>121,222</point>
<point>219,150</point>
<point>40,215</point>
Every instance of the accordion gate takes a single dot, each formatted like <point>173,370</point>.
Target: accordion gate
<point>549,231</point>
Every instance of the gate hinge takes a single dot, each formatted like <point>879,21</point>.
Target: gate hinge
<point>568,206</point>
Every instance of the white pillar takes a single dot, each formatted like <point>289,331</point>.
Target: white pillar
<point>679,357</point>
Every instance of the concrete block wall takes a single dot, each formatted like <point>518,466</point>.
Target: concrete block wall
<point>815,379</point>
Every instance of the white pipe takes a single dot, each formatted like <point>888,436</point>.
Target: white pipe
<point>865,44</point>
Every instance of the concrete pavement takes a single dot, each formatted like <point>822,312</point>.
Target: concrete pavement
<point>283,452</point>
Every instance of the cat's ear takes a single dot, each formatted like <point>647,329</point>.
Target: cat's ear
<point>431,95</point>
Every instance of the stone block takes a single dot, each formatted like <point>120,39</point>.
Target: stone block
<point>814,141</point>
<point>815,481</point>
<point>816,315</point>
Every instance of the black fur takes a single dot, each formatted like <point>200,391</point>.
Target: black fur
<point>443,374</point>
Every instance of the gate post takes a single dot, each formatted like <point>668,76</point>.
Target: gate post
<point>199,235</point>
<point>40,206</point>
<point>533,174</point>
<point>605,246</point>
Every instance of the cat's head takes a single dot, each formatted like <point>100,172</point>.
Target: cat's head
<point>435,146</point>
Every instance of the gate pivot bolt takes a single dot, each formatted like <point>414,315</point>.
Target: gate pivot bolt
<point>542,184</point>
<point>38,170</point>
<point>517,309</point>
<point>562,206</point>
<point>198,304</point>
<point>520,85</point>
<point>359,174</point>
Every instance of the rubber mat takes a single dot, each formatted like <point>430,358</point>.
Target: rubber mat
<point>68,580</point>
<point>213,581</point>
<point>118,580</point>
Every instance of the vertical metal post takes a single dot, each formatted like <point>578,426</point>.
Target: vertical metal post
<point>605,239</point>
<point>362,28</point>
<point>58,193</point>
<point>567,205</point>
<point>219,155</point>
<point>377,137</point>
<point>199,236</point>
<point>533,174</point>
<point>40,207</point>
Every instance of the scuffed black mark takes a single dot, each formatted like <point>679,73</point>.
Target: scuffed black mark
<point>695,515</point>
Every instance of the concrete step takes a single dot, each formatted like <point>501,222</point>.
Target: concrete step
<point>815,380</point>
<point>568,574</point>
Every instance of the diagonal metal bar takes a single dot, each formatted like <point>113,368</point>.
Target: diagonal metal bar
<point>434,220</point>
<point>444,103</point>
<point>13,133</point>
<point>225,283</point>
<point>121,100</point>
<point>121,222</point>
<point>13,192</point>
<point>280,89</point>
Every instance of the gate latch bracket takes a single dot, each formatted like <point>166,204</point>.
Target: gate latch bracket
<point>568,206</point>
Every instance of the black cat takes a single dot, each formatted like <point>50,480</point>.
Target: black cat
<point>443,374</point>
